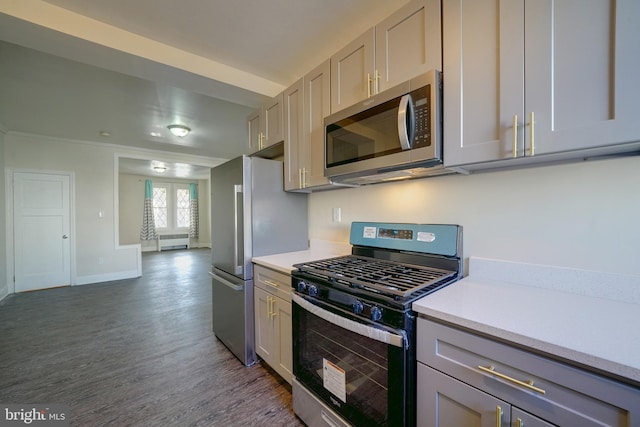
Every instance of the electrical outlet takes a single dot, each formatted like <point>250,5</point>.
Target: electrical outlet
<point>100,260</point>
<point>337,215</point>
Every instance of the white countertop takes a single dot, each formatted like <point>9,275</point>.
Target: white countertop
<point>590,318</point>
<point>319,249</point>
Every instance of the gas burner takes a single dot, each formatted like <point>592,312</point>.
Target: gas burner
<point>385,277</point>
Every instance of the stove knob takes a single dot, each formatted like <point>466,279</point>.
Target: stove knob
<point>312,290</point>
<point>358,307</point>
<point>302,286</point>
<point>376,313</point>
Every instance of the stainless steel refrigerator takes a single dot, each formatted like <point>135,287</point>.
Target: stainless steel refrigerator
<point>251,216</point>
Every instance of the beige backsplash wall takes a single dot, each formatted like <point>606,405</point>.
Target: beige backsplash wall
<point>584,215</point>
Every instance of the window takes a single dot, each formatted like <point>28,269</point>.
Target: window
<point>171,207</point>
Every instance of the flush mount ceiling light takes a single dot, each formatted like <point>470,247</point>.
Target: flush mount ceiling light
<point>179,130</point>
<point>159,169</point>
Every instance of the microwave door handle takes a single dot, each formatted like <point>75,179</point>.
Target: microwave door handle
<point>405,130</point>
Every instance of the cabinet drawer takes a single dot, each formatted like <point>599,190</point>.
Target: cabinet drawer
<point>556,392</point>
<point>272,281</point>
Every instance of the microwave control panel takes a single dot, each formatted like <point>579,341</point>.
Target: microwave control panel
<point>422,114</point>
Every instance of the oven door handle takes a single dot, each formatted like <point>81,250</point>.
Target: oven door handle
<point>394,339</point>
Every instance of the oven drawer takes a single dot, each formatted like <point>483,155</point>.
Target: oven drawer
<point>272,281</point>
<point>556,392</point>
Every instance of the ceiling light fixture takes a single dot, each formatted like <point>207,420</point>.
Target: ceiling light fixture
<point>179,130</point>
<point>159,169</point>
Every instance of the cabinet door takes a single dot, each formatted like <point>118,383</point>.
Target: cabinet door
<point>444,401</point>
<point>519,418</point>
<point>293,136</point>
<point>483,72</point>
<point>408,43</point>
<point>254,131</point>
<point>317,106</point>
<point>273,122</point>
<point>264,334</point>
<point>283,339</point>
<point>352,72</point>
<point>582,65</point>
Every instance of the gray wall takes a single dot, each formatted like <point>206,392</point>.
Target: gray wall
<point>99,256</point>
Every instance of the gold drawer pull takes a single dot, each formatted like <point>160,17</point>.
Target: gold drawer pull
<point>270,283</point>
<point>491,370</point>
<point>498,416</point>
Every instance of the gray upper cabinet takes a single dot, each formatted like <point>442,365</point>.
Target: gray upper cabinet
<point>408,43</point>
<point>254,130</point>
<point>294,149</point>
<point>352,70</point>
<point>402,46</point>
<point>538,78</point>
<point>306,104</point>
<point>265,126</point>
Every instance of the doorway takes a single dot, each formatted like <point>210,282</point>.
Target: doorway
<point>42,230</point>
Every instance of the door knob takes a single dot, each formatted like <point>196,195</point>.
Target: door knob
<point>65,236</point>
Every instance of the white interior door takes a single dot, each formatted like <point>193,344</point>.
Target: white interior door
<point>42,249</point>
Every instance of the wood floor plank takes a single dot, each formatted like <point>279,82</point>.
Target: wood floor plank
<point>137,352</point>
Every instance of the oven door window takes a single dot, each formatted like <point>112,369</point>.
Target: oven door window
<point>359,377</point>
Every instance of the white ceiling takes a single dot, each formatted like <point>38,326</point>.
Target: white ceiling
<point>75,68</point>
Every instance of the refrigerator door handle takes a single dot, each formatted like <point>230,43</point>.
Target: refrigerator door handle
<point>237,190</point>
<point>226,282</point>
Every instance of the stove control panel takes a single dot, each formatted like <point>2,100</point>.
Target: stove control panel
<point>367,310</point>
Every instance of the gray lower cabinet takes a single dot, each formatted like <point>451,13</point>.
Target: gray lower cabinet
<point>454,403</point>
<point>466,379</point>
<point>273,327</point>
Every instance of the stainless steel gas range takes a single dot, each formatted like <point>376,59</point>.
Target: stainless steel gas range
<point>353,327</point>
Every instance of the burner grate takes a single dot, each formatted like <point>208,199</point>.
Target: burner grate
<point>381,276</point>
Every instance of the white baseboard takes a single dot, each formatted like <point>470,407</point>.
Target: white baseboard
<point>3,293</point>
<point>191,246</point>
<point>109,277</point>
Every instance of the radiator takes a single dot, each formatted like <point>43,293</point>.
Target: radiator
<point>173,241</point>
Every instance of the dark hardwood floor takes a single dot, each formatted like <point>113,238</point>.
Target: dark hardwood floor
<point>135,352</point>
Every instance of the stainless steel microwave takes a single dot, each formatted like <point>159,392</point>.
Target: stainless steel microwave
<point>396,134</point>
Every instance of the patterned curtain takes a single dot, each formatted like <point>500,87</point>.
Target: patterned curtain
<point>194,221</point>
<point>148,230</point>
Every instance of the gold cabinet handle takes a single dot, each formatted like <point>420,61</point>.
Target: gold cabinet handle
<point>368,85</point>
<point>270,307</point>
<point>491,370</point>
<point>304,177</point>
<point>532,127</point>
<point>271,283</point>
<point>377,82</point>
<point>498,416</point>
<point>300,178</point>
<point>520,423</point>
<point>260,140</point>
<point>515,136</point>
